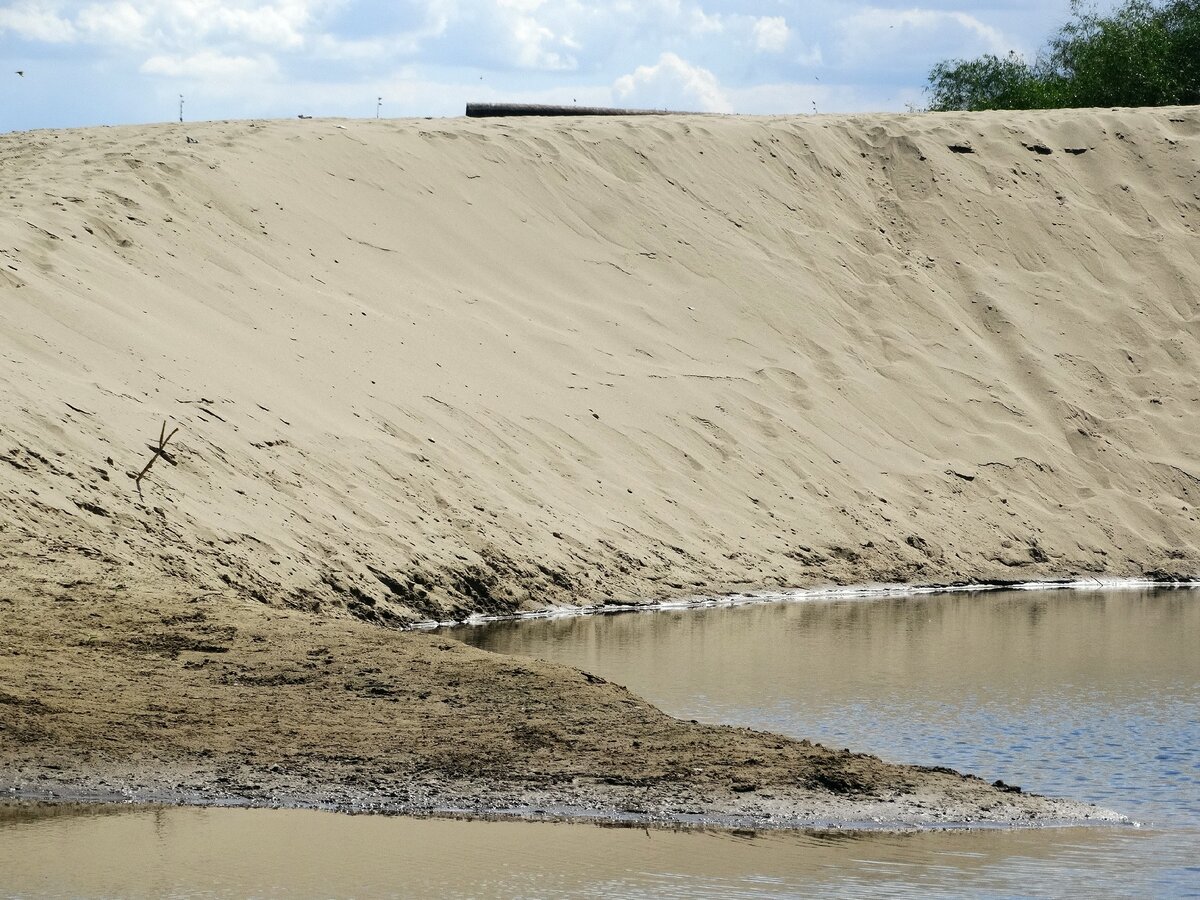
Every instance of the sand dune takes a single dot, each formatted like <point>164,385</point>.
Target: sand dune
<point>424,368</point>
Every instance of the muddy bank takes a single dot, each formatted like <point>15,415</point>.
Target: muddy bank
<point>209,700</point>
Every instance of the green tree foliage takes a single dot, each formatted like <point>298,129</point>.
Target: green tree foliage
<point>1143,54</point>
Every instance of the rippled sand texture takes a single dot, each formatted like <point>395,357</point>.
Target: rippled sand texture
<point>423,368</point>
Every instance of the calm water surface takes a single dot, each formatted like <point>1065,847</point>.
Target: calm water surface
<point>1091,695</point>
<point>1087,694</point>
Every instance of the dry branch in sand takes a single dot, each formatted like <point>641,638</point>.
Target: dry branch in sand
<point>160,450</point>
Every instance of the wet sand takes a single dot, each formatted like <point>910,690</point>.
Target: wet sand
<point>205,699</point>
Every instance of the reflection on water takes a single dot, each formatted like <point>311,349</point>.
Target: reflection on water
<point>1092,695</point>
<point>266,853</point>
<point>1050,690</point>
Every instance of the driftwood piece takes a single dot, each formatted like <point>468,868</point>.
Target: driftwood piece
<point>160,450</point>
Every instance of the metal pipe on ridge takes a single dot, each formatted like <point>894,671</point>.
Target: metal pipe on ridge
<point>496,110</point>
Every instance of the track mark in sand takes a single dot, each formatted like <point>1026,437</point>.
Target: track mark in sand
<point>51,235</point>
<point>108,232</point>
<point>14,463</point>
<point>127,202</point>
<point>605,262</point>
<point>369,244</point>
<point>92,508</point>
<point>695,375</point>
<point>203,409</point>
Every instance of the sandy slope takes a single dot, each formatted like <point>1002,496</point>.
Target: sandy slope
<point>429,367</point>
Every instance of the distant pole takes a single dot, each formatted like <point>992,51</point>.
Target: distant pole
<point>181,108</point>
<point>378,103</point>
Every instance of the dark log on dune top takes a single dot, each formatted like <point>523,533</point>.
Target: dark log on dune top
<point>486,110</point>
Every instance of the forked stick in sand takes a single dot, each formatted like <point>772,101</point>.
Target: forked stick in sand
<point>160,450</point>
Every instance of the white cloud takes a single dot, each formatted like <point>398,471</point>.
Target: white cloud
<point>703,23</point>
<point>903,36</point>
<point>176,23</point>
<point>114,23</point>
<point>771,34</point>
<point>210,65</point>
<point>257,57</point>
<point>810,56</point>
<point>279,25</point>
<point>672,83</point>
<point>383,47</point>
<point>538,47</point>
<point>815,97</point>
<point>36,22</point>
<point>371,50</point>
<point>521,6</point>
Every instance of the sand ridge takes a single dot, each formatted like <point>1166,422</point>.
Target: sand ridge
<point>426,369</point>
<point>423,368</point>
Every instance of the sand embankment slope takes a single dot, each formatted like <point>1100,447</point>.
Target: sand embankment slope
<point>427,368</point>
<point>422,368</point>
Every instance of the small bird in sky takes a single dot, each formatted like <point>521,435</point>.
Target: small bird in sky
<point>21,72</point>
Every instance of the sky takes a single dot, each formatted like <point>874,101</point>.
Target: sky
<point>106,62</point>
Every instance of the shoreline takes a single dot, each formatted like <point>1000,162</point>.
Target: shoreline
<point>603,808</point>
<point>244,705</point>
<point>1098,817</point>
<point>799,595</point>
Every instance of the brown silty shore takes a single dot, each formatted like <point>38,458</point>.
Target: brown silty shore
<point>425,369</point>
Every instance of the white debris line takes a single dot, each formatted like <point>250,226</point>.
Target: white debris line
<point>800,595</point>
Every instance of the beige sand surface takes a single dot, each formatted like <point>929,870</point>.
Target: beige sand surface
<point>454,365</point>
<point>427,368</point>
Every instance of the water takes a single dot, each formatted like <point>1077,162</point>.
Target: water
<point>1087,694</point>
<point>114,852</point>
<point>1090,695</point>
